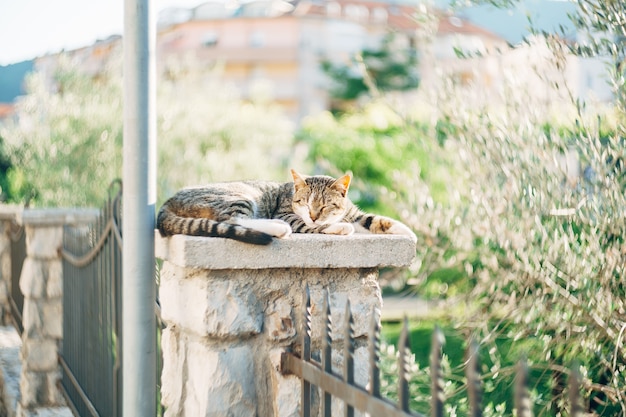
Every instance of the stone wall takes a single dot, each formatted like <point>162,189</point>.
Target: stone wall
<point>41,283</point>
<point>232,309</point>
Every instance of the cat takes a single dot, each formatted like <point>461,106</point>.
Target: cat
<point>258,211</point>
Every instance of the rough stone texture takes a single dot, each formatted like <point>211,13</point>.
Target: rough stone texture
<point>10,370</point>
<point>46,412</point>
<point>41,282</point>
<point>232,309</point>
<point>41,355</point>
<point>41,218</point>
<point>43,242</point>
<point>286,388</point>
<point>32,389</point>
<point>298,251</point>
<point>217,309</point>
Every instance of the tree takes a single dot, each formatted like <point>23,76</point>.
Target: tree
<point>67,138</point>
<point>66,142</point>
<point>540,252</point>
<point>522,248</point>
<point>388,68</point>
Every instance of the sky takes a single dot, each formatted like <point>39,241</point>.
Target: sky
<point>31,28</point>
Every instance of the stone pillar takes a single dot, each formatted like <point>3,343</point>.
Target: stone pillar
<point>232,309</point>
<point>41,282</point>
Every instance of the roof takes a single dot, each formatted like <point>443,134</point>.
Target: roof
<point>6,110</point>
<point>397,16</point>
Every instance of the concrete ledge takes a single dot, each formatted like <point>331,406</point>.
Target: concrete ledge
<point>298,251</point>
<point>10,211</point>
<point>57,216</point>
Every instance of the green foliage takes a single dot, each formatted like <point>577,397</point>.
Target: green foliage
<point>526,230</point>
<point>498,369</point>
<point>375,145</point>
<point>66,143</point>
<point>388,68</point>
<point>603,24</point>
<point>207,133</point>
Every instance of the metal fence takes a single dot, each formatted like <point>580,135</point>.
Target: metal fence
<point>369,400</point>
<point>18,254</point>
<point>90,357</point>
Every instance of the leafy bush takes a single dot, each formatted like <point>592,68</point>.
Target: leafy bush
<point>525,234</point>
<point>66,142</point>
<point>376,145</point>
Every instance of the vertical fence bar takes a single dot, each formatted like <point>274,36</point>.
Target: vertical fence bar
<point>522,396</point>
<point>306,351</point>
<point>327,364</point>
<point>436,373</point>
<point>117,299</point>
<point>348,355</point>
<point>374,353</point>
<point>472,373</point>
<point>139,175</point>
<point>18,254</point>
<point>574,392</point>
<point>403,376</point>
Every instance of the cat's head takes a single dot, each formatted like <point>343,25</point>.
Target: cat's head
<point>319,199</point>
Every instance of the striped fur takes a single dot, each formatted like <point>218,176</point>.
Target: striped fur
<point>315,204</point>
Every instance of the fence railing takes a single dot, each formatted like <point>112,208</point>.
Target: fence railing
<point>18,254</point>
<point>368,399</point>
<point>91,355</point>
<point>90,358</point>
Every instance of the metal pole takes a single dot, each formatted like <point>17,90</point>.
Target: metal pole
<point>139,175</point>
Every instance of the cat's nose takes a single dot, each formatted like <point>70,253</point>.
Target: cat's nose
<point>314,216</point>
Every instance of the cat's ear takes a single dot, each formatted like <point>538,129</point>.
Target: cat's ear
<point>342,184</point>
<point>298,180</point>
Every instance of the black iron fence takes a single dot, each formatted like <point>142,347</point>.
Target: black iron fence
<point>18,254</point>
<point>90,357</point>
<point>318,376</point>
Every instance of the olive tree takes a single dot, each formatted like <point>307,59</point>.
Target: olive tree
<point>65,142</point>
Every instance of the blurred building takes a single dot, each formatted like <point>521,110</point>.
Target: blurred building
<point>275,48</point>
<point>280,45</point>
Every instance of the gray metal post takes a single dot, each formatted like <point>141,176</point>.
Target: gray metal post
<point>139,175</point>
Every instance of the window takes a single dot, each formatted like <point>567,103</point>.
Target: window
<point>209,39</point>
<point>379,15</point>
<point>333,9</point>
<point>357,12</point>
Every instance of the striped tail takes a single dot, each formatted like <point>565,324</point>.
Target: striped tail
<point>170,224</point>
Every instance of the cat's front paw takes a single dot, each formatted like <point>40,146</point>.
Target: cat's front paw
<point>279,229</point>
<point>339,229</point>
<point>401,229</point>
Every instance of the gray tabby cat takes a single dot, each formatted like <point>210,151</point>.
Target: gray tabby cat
<point>257,211</point>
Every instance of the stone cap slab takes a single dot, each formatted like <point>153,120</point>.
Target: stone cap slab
<point>10,211</point>
<point>57,216</point>
<point>297,251</point>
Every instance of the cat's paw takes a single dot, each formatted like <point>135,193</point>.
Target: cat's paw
<point>273,227</point>
<point>401,229</point>
<point>339,229</point>
<point>279,229</point>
